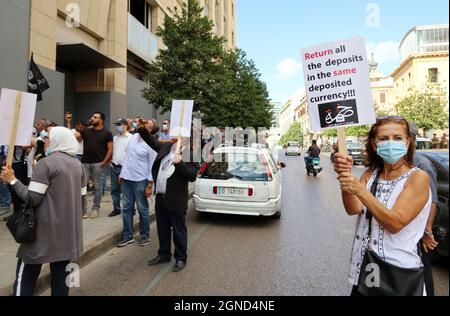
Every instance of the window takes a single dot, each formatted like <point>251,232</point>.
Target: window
<point>383,97</point>
<point>137,9</point>
<point>433,75</point>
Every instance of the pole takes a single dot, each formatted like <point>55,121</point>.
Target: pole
<point>12,141</point>
<point>342,141</point>
<point>180,139</point>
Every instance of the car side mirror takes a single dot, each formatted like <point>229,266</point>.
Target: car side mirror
<point>282,165</point>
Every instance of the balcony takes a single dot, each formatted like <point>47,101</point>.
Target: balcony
<point>141,41</point>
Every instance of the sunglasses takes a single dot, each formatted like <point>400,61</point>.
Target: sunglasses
<point>393,118</point>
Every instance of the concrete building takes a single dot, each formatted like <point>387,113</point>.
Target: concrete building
<point>382,90</point>
<point>92,52</point>
<point>424,61</point>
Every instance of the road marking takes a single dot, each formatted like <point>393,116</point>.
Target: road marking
<point>166,268</point>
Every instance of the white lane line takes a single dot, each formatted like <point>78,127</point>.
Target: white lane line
<point>168,267</point>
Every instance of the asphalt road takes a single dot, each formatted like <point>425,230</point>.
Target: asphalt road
<point>306,252</point>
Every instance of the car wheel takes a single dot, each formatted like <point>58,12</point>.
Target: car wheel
<point>277,215</point>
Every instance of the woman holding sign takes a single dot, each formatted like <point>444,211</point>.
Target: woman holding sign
<point>392,200</point>
<point>171,176</point>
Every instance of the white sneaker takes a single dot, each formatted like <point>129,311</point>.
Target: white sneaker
<point>94,214</point>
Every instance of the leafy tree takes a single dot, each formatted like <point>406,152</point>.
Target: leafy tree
<point>225,85</point>
<point>357,131</point>
<point>427,109</point>
<point>293,134</point>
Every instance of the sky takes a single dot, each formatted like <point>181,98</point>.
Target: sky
<point>272,33</point>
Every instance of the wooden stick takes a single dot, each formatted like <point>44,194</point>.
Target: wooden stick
<point>12,140</point>
<point>342,140</point>
<point>183,109</point>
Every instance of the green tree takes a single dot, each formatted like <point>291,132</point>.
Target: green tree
<point>225,85</point>
<point>357,131</point>
<point>427,109</point>
<point>294,133</point>
<point>190,67</point>
<point>248,103</point>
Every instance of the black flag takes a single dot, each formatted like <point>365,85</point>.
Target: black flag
<point>36,81</point>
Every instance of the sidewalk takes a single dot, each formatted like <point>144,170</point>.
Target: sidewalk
<point>100,235</point>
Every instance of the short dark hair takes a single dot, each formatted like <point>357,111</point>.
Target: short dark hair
<point>314,142</point>
<point>102,115</point>
<point>373,161</point>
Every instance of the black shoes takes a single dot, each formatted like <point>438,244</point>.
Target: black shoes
<point>114,213</point>
<point>179,265</point>
<point>158,260</point>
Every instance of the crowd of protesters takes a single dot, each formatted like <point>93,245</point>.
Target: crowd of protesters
<point>395,199</point>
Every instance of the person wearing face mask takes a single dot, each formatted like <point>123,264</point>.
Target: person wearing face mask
<point>121,142</point>
<point>135,125</point>
<point>164,135</point>
<point>55,191</point>
<point>392,221</point>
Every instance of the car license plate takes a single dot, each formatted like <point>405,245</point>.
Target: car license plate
<point>356,153</point>
<point>232,192</point>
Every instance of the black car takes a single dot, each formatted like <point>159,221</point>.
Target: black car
<point>440,161</point>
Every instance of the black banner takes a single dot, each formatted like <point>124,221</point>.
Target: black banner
<point>36,81</point>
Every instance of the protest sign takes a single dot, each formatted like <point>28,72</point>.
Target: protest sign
<point>17,110</point>
<point>181,120</point>
<point>338,85</point>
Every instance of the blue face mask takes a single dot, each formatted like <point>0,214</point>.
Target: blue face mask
<point>392,151</point>
<point>135,126</point>
<point>119,129</point>
<point>48,152</point>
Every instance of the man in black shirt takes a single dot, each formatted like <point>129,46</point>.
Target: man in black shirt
<point>313,152</point>
<point>97,153</point>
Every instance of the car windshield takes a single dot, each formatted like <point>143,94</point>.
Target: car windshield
<point>293,144</point>
<point>241,166</point>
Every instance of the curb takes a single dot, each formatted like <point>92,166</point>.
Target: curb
<point>99,248</point>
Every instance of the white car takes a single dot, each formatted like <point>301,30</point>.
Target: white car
<point>239,181</point>
<point>293,148</point>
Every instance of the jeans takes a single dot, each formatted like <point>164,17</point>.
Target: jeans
<point>104,175</point>
<point>93,170</point>
<point>115,187</point>
<point>134,192</point>
<point>5,198</point>
<point>21,171</point>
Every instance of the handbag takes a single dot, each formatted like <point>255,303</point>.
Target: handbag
<point>385,278</point>
<point>22,224</point>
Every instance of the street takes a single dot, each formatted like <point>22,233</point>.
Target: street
<point>306,252</point>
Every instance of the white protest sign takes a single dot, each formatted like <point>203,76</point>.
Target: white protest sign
<point>181,118</point>
<point>25,118</point>
<point>338,85</point>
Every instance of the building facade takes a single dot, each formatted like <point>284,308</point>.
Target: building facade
<point>92,52</point>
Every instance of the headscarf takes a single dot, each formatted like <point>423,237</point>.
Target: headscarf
<point>63,140</point>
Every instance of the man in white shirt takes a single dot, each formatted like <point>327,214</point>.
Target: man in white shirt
<point>121,142</point>
<point>137,186</point>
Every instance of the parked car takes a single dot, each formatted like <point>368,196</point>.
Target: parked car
<point>240,181</point>
<point>357,151</point>
<point>439,159</point>
<point>293,148</point>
